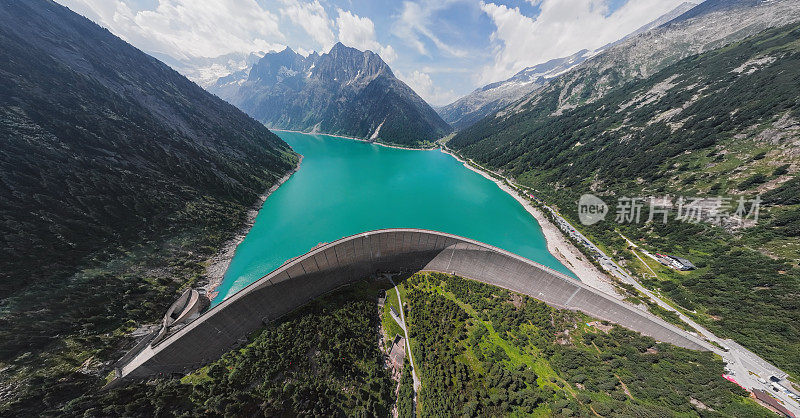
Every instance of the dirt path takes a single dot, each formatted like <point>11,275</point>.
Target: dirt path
<point>408,341</point>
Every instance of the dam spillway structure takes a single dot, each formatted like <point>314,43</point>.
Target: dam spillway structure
<point>336,264</point>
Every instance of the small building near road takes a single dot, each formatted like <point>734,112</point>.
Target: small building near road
<point>682,263</point>
<point>772,403</point>
<point>677,263</point>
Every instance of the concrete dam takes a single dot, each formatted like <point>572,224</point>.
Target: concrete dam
<point>349,259</point>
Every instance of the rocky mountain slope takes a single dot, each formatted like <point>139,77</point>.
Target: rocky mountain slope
<point>493,97</point>
<point>345,92</point>
<point>713,24</point>
<point>93,128</point>
<point>679,11</point>
<point>117,177</point>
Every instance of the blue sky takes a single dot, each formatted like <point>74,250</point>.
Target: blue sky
<point>442,48</point>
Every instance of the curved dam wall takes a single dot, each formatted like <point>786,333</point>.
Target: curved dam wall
<point>349,259</point>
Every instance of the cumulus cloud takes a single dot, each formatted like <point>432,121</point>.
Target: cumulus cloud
<point>563,27</point>
<point>359,32</point>
<point>313,18</point>
<point>415,22</point>
<point>422,84</point>
<point>187,28</point>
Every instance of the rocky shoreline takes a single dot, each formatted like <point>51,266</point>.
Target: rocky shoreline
<point>218,264</point>
<point>357,139</point>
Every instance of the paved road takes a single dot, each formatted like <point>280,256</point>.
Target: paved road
<point>747,368</point>
<point>743,365</point>
<point>408,342</point>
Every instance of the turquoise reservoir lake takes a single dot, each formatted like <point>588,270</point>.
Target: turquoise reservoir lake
<point>345,187</point>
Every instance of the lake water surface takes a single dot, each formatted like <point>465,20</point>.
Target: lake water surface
<point>345,187</point>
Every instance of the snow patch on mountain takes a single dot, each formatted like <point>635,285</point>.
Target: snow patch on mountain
<point>493,97</point>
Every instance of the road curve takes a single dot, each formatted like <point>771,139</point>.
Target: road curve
<point>346,260</point>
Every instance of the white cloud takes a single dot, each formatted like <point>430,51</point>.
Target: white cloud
<point>359,32</point>
<point>563,27</point>
<point>187,28</point>
<point>356,31</point>
<point>304,52</point>
<point>415,22</point>
<point>422,84</point>
<point>313,18</point>
<point>187,33</point>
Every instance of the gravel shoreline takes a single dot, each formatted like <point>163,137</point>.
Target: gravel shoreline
<point>218,264</point>
<point>357,139</point>
<point>557,243</point>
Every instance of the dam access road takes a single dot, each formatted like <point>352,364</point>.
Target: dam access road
<point>333,265</point>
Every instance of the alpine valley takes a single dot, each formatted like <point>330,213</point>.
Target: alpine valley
<point>164,253</point>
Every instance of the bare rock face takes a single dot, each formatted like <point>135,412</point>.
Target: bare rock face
<point>345,91</point>
<point>708,26</point>
<point>493,97</point>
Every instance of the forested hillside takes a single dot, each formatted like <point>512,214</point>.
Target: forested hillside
<point>723,123</point>
<point>322,360</point>
<point>714,24</point>
<point>118,178</point>
<point>716,101</point>
<point>103,143</point>
<point>485,351</point>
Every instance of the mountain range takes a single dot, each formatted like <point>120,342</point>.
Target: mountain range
<point>658,81</point>
<point>495,96</point>
<point>120,179</point>
<point>343,92</point>
<point>711,25</point>
<point>207,71</point>
<point>503,140</point>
